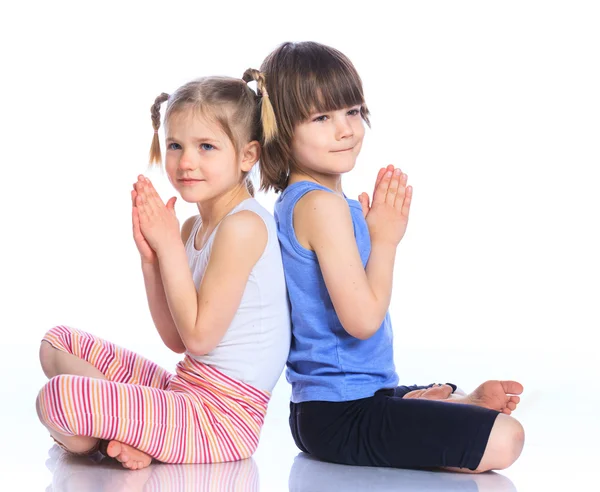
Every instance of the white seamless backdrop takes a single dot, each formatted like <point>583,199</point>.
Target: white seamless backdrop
<point>490,107</point>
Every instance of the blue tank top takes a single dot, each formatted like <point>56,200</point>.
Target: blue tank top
<point>325,362</point>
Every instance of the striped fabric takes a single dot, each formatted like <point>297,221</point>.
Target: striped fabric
<point>76,473</point>
<point>198,415</point>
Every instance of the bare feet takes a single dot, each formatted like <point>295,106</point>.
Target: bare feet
<point>438,392</point>
<point>496,395</point>
<point>131,458</point>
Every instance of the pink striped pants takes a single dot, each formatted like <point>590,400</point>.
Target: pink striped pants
<point>198,415</point>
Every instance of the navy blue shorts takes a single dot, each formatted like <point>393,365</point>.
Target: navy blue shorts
<point>386,430</point>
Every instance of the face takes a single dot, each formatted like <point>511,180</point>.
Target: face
<point>201,160</point>
<point>329,143</point>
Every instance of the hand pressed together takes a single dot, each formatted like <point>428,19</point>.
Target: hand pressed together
<point>155,225</point>
<point>387,215</point>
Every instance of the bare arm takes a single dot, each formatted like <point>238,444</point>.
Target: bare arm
<point>159,309</point>
<point>157,301</point>
<point>202,317</point>
<point>155,293</point>
<point>360,296</point>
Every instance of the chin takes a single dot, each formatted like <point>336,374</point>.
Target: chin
<point>190,196</point>
<point>345,167</point>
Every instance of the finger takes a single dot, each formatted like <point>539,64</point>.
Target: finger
<point>363,199</point>
<point>380,176</point>
<point>405,210</point>
<point>142,208</point>
<point>398,202</point>
<point>381,190</point>
<point>154,200</point>
<point>135,222</point>
<point>171,204</point>
<point>392,191</point>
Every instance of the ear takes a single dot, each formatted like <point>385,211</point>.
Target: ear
<point>250,155</point>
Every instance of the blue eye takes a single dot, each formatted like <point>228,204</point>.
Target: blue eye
<point>173,146</point>
<point>354,112</point>
<point>206,146</point>
<point>321,118</point>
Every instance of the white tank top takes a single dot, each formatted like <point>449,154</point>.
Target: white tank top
<point>256,344</point>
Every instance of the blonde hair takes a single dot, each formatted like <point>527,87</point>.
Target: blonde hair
<point>303,78</point>
<point>228,101</point>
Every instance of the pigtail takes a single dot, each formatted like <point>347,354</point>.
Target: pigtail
<point>249,185</point>
<point>155,156</point>
<point>267,114</point>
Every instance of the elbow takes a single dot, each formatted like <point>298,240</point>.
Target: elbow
<point>199,349</point>
<point>363,330</point>
<point>178,348</point>
<point>363,334</point>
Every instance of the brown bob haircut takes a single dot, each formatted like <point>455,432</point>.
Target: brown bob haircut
<point>302,79</point>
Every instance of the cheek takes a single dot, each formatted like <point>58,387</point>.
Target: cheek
<point>359,129</point>
<point>312,144</point>
<point>171,169</point>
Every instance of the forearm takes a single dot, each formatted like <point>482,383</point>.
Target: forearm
<point>180,293</point>
<point>159,309</point>
<point>380,274</point>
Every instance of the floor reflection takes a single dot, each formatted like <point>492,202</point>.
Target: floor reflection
<point>99,474</point>
<point>311,475</point>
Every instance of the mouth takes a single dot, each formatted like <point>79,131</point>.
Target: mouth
<point>342,150</point>
<point>189,181</point>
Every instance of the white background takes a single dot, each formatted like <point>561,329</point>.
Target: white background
<point>492,108</point>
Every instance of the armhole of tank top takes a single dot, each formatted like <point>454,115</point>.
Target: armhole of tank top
<point>301,250</point>
<point>193,232</point>
<point>269,234</point>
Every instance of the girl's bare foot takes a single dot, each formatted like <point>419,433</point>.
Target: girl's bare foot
<point>131,458</point>
<point>496,395</point>
<point>438,392</point>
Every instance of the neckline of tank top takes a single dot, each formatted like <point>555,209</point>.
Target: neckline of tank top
<point>199,224</point>
<point>318,184</point>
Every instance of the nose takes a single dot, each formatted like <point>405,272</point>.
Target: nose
<point>186,163</point>
<point>343,129</point>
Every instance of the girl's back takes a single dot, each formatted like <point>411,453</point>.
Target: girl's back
<point>325,362</point>
<point>256,344</point>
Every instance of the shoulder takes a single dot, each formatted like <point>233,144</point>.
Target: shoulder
<point>186,228</point>
<point>320,208</point>
<point>243,231</point>
<point>320,214</point>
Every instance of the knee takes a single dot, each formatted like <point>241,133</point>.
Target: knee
<point>48,401</point>
<point>47,358</point>
<point>48,351</point>
<point>505,444</point>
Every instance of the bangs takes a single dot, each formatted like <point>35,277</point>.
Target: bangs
<point>331,92</point>
<point>211,113</point>
<point>312,79</point>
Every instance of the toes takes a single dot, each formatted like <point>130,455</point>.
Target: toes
<point>515,399</point>
<point>113,449</point>
<point>512,387</point>
<point>511,405</point>
<point>414,394</point>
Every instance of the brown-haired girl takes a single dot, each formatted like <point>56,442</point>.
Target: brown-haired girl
<point>216,292</point>
<point>338,257</point>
